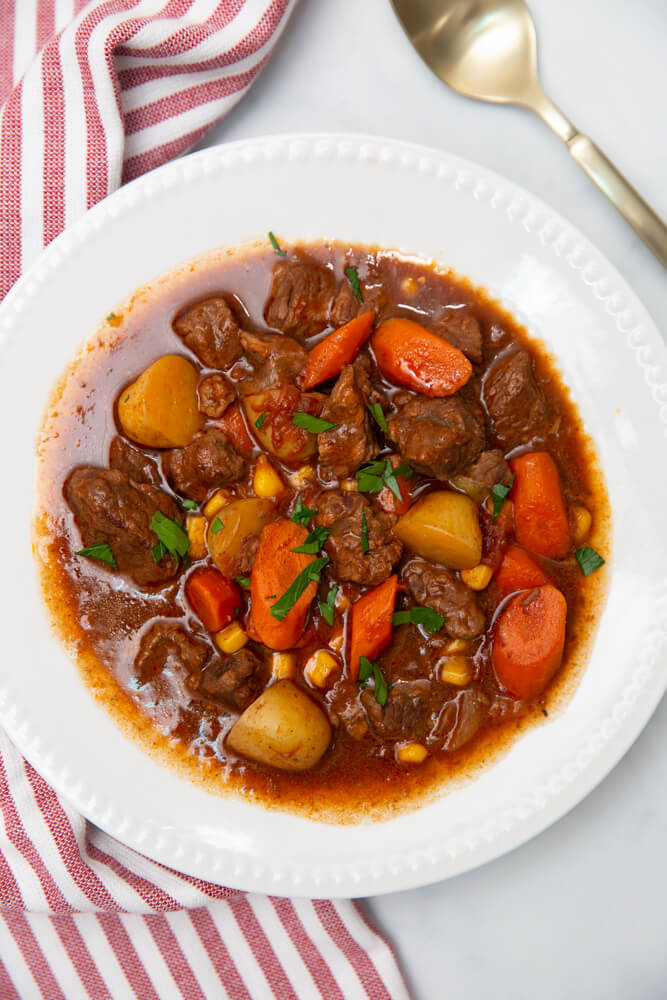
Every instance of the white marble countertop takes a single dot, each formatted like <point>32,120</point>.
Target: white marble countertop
<point>581,910</point>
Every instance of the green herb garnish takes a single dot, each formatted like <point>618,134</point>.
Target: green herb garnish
<point>374,475</point>
<point>171,533</point>
<point>110,317</point>
<point>216,526</point>
<point>126,398</point>
<point>364,533</point>
<point>500,494</point>
<point>260,419</point>
<point>315,425</point>
<point>314,542</point>
<point>301,514</point>
<point>353,278</point>
<point>311,574</point>
<point>102,552</point>
<point>327,607</point>
<point>381,688</point>
<point>589,560</point>
<point>189,504</point>
<point>159,551</point>
<point>243,581</point>
<point>378,416</point>
<point>276,245</point>
<point>430,619</point>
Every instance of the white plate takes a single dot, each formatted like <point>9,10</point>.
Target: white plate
<point>422,201</point>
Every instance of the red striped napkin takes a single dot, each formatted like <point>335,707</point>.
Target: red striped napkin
<point>96,93</point>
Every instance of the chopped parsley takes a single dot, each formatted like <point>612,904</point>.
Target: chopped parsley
<point>243,581</point>
<point>499,493</point>
<point>301,514</point>
<point>328,607</point>
<point>276,245</point>
<point>216,526</point>
<point>110,317</point>
<point>189,504</point>
<point>260,419</point>
<point>314,542</point>
<point>430,619</point>
<point>589,560</point>
<point>102,552</point>
<point>314,425</point>
<point>364,533</point>
<point>353,278</point>
<point>172,534</point>
<point>372,476</point>
<point>378,416</point>
<point>311,574</point>
<point>159,551</point>
<point>368,670</point>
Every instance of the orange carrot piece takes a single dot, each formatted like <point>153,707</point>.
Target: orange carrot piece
<point>275,569</point>
<point>233,424</point>
<point>528,641</point>
<point>340,348</point>
<point>388,501</point>
<point>215,599</point>
<point>411,355</point>
<point>370,623</point>
<point>518,571</point>
<point>540,516</point>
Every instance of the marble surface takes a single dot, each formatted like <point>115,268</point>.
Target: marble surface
<point>581,910</point>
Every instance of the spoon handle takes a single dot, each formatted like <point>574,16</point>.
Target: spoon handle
<point>646,223</point>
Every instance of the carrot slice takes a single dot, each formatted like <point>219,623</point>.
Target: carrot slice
<point>411,355</point>
<point>233,424</point>
<point>215,599</point>
<point>518,571</point>
<point>371,627</point>
<point>528,641</point>
<point>337,350</point>
<point>274,571</point>
<point>540,516</point>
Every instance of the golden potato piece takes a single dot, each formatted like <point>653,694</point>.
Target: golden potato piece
<point>161,409</point>
<point>283,728</point>
<point>276,432</point>
<point>240,519</point>
<point>443,527</point>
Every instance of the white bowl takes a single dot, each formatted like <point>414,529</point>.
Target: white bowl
<point>421,201</point>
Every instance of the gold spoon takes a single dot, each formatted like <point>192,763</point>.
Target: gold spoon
<point>486,49</point>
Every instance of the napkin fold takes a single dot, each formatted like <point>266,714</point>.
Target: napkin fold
<point>94,94</point>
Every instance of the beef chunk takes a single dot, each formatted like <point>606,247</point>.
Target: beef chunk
<point>461,718</point>
<point>215,394</point>
<point>489,469</point>
<point>209,328</point>
<point>514,401</point>
<point>345,709</point>
<point>409,714</point>
<point>277,360</point>
<point>208,461</point>
<point>345,305</point>
<point>109,507</point>
<point>300,297</point>
<point>351,443</point>
<point>365,373</point>
<point>409,656</point>
<point>342,514</point>
<point>167,646</point>
<point>127,458</point>
<point>437,437</point>
<point>463,331</point>
<point>234,681</point>
<point>439,589</point>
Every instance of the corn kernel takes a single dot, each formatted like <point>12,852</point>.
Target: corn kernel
<point>219,500</point>
<point>477,578</point>
<point>342,601</point>
<point>302,476</point>
<point>231,639</point>
<point>349,485</point>
<point>283,665</point>
<point>412,753</point>
<point>266,481</point>
<point>409,286</point>
<point>580,522</point>
<point>457,646</point>
<point>337,638</point>
<point>196,526</point>
<point>320,668</point>
<point>456,670</point>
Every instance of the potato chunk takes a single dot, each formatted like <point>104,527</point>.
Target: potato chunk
<point>161,409</point>
<point>273,410</point>
<point>241,520</point>
<point>443,527</point>
<point>282,728</point>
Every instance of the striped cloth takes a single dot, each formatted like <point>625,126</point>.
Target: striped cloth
<point>96,93</point>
